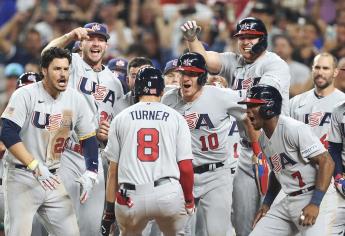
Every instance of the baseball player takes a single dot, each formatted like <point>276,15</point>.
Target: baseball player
<point>336,149</point>
<point>133,67</point>
<point>300,166</point>
<point>101,91</point>
<point>151,169</point>
<point>119,67</point>
<point>315,106</point>
<point>253,65</point>
<point>37,122</point>
<point>207,110</point>
<point>171,76</point>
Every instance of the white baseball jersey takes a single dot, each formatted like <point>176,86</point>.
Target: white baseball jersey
<point>147,140</point>
<point>314,111</point>
<point>101,89</point>
<point>289,151</point>
<point>336,132</point>
<point>234,142</point>
<point>268,69</point>
<point>208,118</point>
<point>46,123</point>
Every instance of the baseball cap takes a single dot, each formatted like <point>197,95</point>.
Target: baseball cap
<point>76,46</point>
<point>98,28</point>
<point>118,64</point>
<point>171,65</point>
<point>14,69</point>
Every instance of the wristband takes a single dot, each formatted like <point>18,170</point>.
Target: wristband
<point>109,206</point>
<point>256,148</point>
<point>33,164</point>
<point>317,197</point>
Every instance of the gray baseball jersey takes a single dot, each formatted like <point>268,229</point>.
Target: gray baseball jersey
<point>208,118</point>
<point>337,128</point>
<point>269,69</point>
<point>101,90</point>
<point>49,121</point>
<point>126,101</point>
<point>152,128</point>
<point>289,151</point>
<point>314,111</point>
<point>336,134</point>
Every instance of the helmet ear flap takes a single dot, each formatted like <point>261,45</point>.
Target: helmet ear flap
<point>260,46</point>
<point>202,79</point>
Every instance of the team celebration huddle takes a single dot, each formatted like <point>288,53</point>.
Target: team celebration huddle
<point>210,146</point>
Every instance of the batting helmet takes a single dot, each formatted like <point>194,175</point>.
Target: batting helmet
<point>255,27</point>
<point>28,78</point>
<point>149,81</point>
<point>193,62</point>
<point>269,98</point>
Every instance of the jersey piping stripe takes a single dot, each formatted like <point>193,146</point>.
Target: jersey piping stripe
<point>87,136</point>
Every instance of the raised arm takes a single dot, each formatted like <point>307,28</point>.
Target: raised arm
<point>190,31</point>
<point>79,34</point>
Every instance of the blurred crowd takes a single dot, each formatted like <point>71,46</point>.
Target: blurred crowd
<point>298,30</point>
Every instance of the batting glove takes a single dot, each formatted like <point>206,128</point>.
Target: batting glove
<point>190,30</point>
<point>190,207</point>
<point>47,180</point>
<point>87,181</point>
<point>339,183</point>
<point>108,218</point>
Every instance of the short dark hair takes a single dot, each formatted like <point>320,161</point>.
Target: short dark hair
<point>139,61</point>
<point>50,54</point>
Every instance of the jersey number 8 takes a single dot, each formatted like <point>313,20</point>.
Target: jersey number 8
<point>147,148</point>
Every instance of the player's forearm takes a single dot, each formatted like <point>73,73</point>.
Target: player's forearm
<point>325,171</point>
<point>187,179</point>
<point>90,153</point>
<point>273,189</point>
<point>112,183</point>
<point>335,150</point>
<point>20,152</point>
<point>196,46</point>
<point>251,132</point>
<point>60,42</point>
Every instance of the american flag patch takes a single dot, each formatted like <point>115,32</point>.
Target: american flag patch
<point>314,119</point>
<point>275,159</point>
<point>247,83</point>
<point>100,93</point>
<point>191,119</point>
<point>55,122</point>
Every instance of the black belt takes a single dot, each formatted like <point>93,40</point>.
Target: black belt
<point>299,192</point>
<point>156,183</point>
<point>207,167</point>
<point>245,143</point>
<point>0,181</point>
<point>23,167</point>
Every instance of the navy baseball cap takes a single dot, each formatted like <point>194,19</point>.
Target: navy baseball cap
<point>118,64</point>
<point>76,46</point>
<point>98,28</point>
<point>171,65</point>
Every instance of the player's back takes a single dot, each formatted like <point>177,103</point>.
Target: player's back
<point>152,138</point>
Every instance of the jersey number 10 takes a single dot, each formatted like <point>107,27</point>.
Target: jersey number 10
<point>210,143</point>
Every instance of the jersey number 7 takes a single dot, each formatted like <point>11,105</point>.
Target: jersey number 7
<point>147,148</point>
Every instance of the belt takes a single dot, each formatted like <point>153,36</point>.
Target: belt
<point>156,183</point>
<point>299,192</point>
<point>245,143</point>
<point>0,181</point>
<point>207,167</point>
<point>23,167</point>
